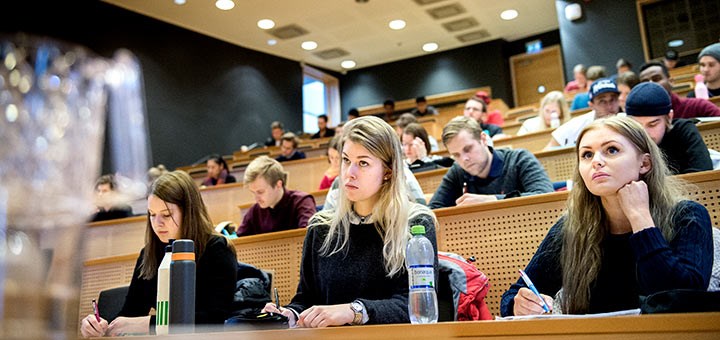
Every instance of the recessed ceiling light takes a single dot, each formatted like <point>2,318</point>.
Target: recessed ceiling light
<point>397,24</point>
<point>266,24</point>
<point>309,45</point>
<point>676,43</point>
<point>429,47</point>
<point>509,14</point>
<point>348,64</point>
<point>179,2</point>
<point>224,5</point>
<point>272,42</point>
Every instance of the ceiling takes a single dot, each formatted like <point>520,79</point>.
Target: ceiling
<point>360,29</point>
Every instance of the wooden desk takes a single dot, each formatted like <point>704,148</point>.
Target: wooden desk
<point>533,142</point>
<point>306,174</point>
<point>222,200</point>
<point>637,327</point>
<point>115,237</point>
<point>710,132</point>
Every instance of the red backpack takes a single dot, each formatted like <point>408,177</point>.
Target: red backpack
<point>469,287</point>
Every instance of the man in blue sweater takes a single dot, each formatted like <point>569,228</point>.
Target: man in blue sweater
<point>483,174</point>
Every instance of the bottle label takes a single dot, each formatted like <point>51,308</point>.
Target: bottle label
<point>421,276</point>
<point>162,310</point>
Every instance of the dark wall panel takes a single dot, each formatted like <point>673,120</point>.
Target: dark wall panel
<point>607,31</point>
<point>202,95</point>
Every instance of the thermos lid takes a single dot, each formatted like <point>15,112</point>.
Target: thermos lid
<point>183,246</point>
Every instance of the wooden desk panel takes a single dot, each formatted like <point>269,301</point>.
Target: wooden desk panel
<point>430,180</point>
<point>222,201</point>
<point>306,174</point>
<point>559,164</point>
<point>710,132</point>
<point>533,142</point>
<point>115,237</point>
<point>637,327</point>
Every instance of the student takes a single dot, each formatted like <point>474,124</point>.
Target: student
<point>333,170</point>
<point>218,172</point>
<point>679,139</point>
<point>175,211</point>
<point>408,118</point>
<point>416,148</point>
<point>627,232</point>
<point>353,264</point>
<point>709,62</point>
<point>276,130</point>
<point>553,103</point>
<point>493,117</point>
<point>323,129</point>
<point>389,109</point>
<point>603,96</point>
<point>625,82</point>
<point>288,148</point>
<point>579,82</point>
<point>475,108</point>
<point>423,109</point>
<point>481,173</point>
<point>353,113</point>
<point>582,99</point>
<point>276,208</point>
<point>108,209</point>
<point>682,107</point>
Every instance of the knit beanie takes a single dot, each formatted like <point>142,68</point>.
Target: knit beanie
<point>648,99</point>
<point>711,50</point>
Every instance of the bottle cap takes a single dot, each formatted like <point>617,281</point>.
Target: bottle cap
<point>699,78</point>
<point>417,230</point>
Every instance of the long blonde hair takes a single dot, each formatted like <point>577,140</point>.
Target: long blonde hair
<point>587,224</point>
<point>393,209</point>
<point>558,98</point>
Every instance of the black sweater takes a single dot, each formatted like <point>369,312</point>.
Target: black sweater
<point>359,273</point>
<point>216,273</point>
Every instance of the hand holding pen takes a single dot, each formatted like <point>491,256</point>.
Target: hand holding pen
<point>529,301</point>
<point>93,325</point>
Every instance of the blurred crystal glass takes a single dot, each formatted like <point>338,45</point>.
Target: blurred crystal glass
<point>55,101</point>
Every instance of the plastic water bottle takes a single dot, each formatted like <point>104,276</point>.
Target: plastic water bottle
<point>701,90</point>
<point>163,293</point>
<point>182,287</point>
<point>420,257</point>
<point>554,119</point>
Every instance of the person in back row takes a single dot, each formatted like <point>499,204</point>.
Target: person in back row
<point>288,148</point>
<point>277,131</point>
<point>323,129</point>
<point>603,96</point>
<point>218,172</point>
<point>423,109</point>
<point>679,139</point>
<point>481,173</point>
<point>353,263</point>
<point>627,231</point>
<point>582,99</point>
<point>276,208</point>
<point>709,62</point>
<point>175,211</point>
<point>108,207</point>
<point>682,107</point>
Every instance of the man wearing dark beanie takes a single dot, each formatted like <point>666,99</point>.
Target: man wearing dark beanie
<point>683,107</point>
<point>709,62</point>
<point>685,151</point>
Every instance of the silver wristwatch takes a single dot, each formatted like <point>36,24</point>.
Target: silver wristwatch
<point>358,308</point>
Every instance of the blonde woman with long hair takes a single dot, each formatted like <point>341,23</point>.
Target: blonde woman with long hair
<point>627,232</point>
<point>553,103</point>
<point>353,262</point>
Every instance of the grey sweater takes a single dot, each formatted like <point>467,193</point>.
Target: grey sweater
<point>358,272</point>
<point>511,171</point>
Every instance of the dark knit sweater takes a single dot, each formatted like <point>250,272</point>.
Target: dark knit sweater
<point>632,265</point>
<point>684,148</point>
<point>510,170</point>
<point>216,273</point>
<point>357,272</point>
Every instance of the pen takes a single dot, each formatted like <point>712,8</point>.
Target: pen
<point>464,187</point>
<point>534,290</point>
<point>277,299</point>
<point>95,310</point>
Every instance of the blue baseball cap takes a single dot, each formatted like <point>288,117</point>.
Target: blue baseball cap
<point>602,85</point>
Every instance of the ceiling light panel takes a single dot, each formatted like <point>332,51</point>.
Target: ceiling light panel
<point>459,25</point>
<point>288,32</point>
<point>473,36</point>
<point>331,53</point>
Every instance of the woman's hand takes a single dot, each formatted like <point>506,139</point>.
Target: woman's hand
<point>635,203</point>
<point>527,303</point>
<point>324,316</point>
<point>420,148</point>
<point>90,327</point>
<point>271,308</point>
<point>124,326</point>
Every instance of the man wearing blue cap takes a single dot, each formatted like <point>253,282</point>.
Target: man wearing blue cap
<point>685,151</point>
<point>604,101</point>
